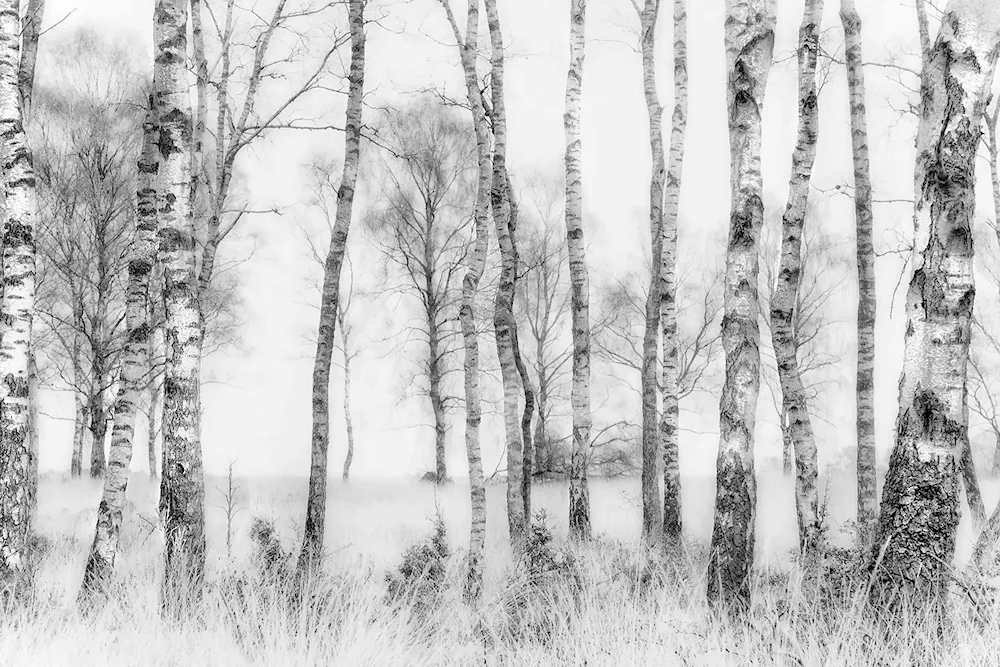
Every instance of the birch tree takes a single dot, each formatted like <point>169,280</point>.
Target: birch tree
<point>16,309</point>
<point>795,405</point>
<point>915,540</point>
<point>468,50</point>
<point>672,525</point>
<point>135,368</point>
<point>865,385</point>
<point>749,45</point>
<point>579,493</point>
<point>315,525</point>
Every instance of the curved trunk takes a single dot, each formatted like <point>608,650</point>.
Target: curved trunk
<point>652,518</point>
<point>579,493</point>
<point>182,486</point>
<point>528,454</point>
<point>434,374</point>
<point>312,544</point>
<point>347,420</point>
<point>672,524</point>
<point>793,395</point>
<point>16,308</point>
<point>749,46</point>
<point>915,541</point>
<point>135,365</point>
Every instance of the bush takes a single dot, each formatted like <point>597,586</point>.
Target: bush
<point>270,558</point>
<point>421,576</point>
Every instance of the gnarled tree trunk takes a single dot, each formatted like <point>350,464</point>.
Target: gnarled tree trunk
<point>749,46</point>
<point>579,493</point>
<point>783,303</point>
<point>915,541</point>
<point>865,386</point>
<point>135,366</point>
<point>312,545</point>
<point>672,525</point>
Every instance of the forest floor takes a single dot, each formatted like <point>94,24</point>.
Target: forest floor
<point>609,603</point>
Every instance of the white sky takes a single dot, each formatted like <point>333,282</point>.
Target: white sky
<point>263,413</point>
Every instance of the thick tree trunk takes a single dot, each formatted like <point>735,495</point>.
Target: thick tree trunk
<point>434,375</point>
<point>749,46</point>
<point>672,524</point>
<point>865,385</point>
<point>915,541</point>
<point>528,453</point>
<point>787,446</point>
<point>154,419</point>
<point>182,485</point>
<point>793,395</point>
<point>468,51</point>
<point>652,517</point>
<point>579,493</point>
<point>503,305</point>
<point>31,30</point>
<point>135,365</point>
<point>16,309</point>
<point>310,557</point>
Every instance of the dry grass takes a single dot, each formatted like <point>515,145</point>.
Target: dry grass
<point>605,619</point>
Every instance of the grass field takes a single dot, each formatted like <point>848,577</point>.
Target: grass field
<point>609,615</point>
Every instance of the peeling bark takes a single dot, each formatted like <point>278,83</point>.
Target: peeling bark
<point>915,541</point>
<point>16,309</point>
<point>135,365</point>
<point>579,493</point>
<point>865,383</point>
<point>749,46</point>
<point>468,51</point>
<point>310,558</point>
<point>783,303</point>
<point>672,525</point>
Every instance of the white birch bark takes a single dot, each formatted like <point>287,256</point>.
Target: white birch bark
<point>915,541</point>
<point>310,558</point>
<point>468,51</point>
<point>16,307</point>
<point>749,46</point>
<point>865,384</point>
<point>672,524</point>
<point>579,493</point>
<point>786,287</point>
<point>182,485</point>
<point>135,366</point>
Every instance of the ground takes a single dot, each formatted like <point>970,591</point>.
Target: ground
<point>619,608</point>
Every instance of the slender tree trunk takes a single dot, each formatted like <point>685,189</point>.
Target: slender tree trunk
<point>182,485</point>
<point>793,394</point>
<point>503,306</point>
<point>468,51</point>
<point>33,432</point>
<point>153,419</point>
<point>101,562</point>
<point>98,425</point>
<point>972,492</point>
<point>434,375</point>
<point>787,446</point>
<point>996,455</point>
<point>79,429</point>
<point>16,309</point>
<point>672,524</point>
<point>652,517</point>
<point>749,46</point>
<point>579,493</point>
<point>312,546</point>
<point>865,385</point>
<point>541,442</point>
<point>915,541</point>
<point>31,30</point>
<point>528,453</point>
<point>347,420</point>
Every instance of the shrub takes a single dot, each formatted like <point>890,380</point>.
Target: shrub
<point>420,577</point>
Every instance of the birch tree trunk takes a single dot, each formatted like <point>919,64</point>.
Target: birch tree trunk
<point>135,365</point>
<point>672,524</point>
<point>528,453</point>
<point>16,309</point>
<point>98,421</point>
<point>865,385</point>
<point>579,493</point>
<point>749,45</point>
<point>79,429</point>
<point>348,422</point>
<point>503,306</point>
<point>652,518</point>
<point>310,558</point>
<point>434,375</point>
<point>977,509</point>
<point>182,485</point>
<point>783,304</point>
<point>915,541</point>
<point>468,52</point>
<point>33,434</point>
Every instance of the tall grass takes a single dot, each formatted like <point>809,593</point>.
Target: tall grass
<point>615,605</point>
